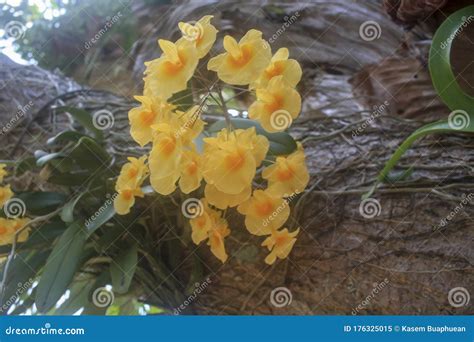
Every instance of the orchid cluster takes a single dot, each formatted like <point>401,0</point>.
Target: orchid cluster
<point>229,161</point>
<point>9,226</point>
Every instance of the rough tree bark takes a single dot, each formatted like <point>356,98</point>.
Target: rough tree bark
<point>340,256</point>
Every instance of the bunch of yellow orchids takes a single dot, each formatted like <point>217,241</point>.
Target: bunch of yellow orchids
<point>10,225</point>
<point>229,160</point>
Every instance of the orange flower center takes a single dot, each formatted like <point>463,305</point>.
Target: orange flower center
<point>3,230</point>
<point>285,174</point>
<point>192,168</point>
<point>174,67</point>
<point>147,118</point>
<point>127,194</point>
<point>264,208</point>
<point>168,145</point>
<point>281,240</point>
<point>132,173</point>
<point>245,56</point>
<point>234,160</point>
<point>275,69</point>
<point>275,105</point>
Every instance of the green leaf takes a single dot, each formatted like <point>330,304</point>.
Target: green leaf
<point>67,214</point>
<point>26,164</point>
<point>281,143</point>
<point>65,136</point>
<point>21,274</point>
<point>69,179</point>
<point>441,71</point>
<point>48,157</point>
<point>104,215</point>
<point>88,154</point>
<point>78,297</point>
<point>436,127</point>
<point>42,202</point>
<point>60,267</point>
<point>84,118</point>
<point>123,269</point>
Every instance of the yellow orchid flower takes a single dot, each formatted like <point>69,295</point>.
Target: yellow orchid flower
<point>150,112</point>
<point>3,172</point>
<point>218,232</point>
<point>280,244</point>
<point>202,33</point>
<point>243,62</point>
<point>288,175</point>
<point>191,171</point>
<point>210,225</point>
<point>8,228</point>
<point>222,200</point>
<point>125,199</point>
<point>133,173</point>
<point>171,72</point>
<point>264,212</point>
<point>229,163</point>
<point>5,194</point>
<point>280,65</point>
<point>276,106</point>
